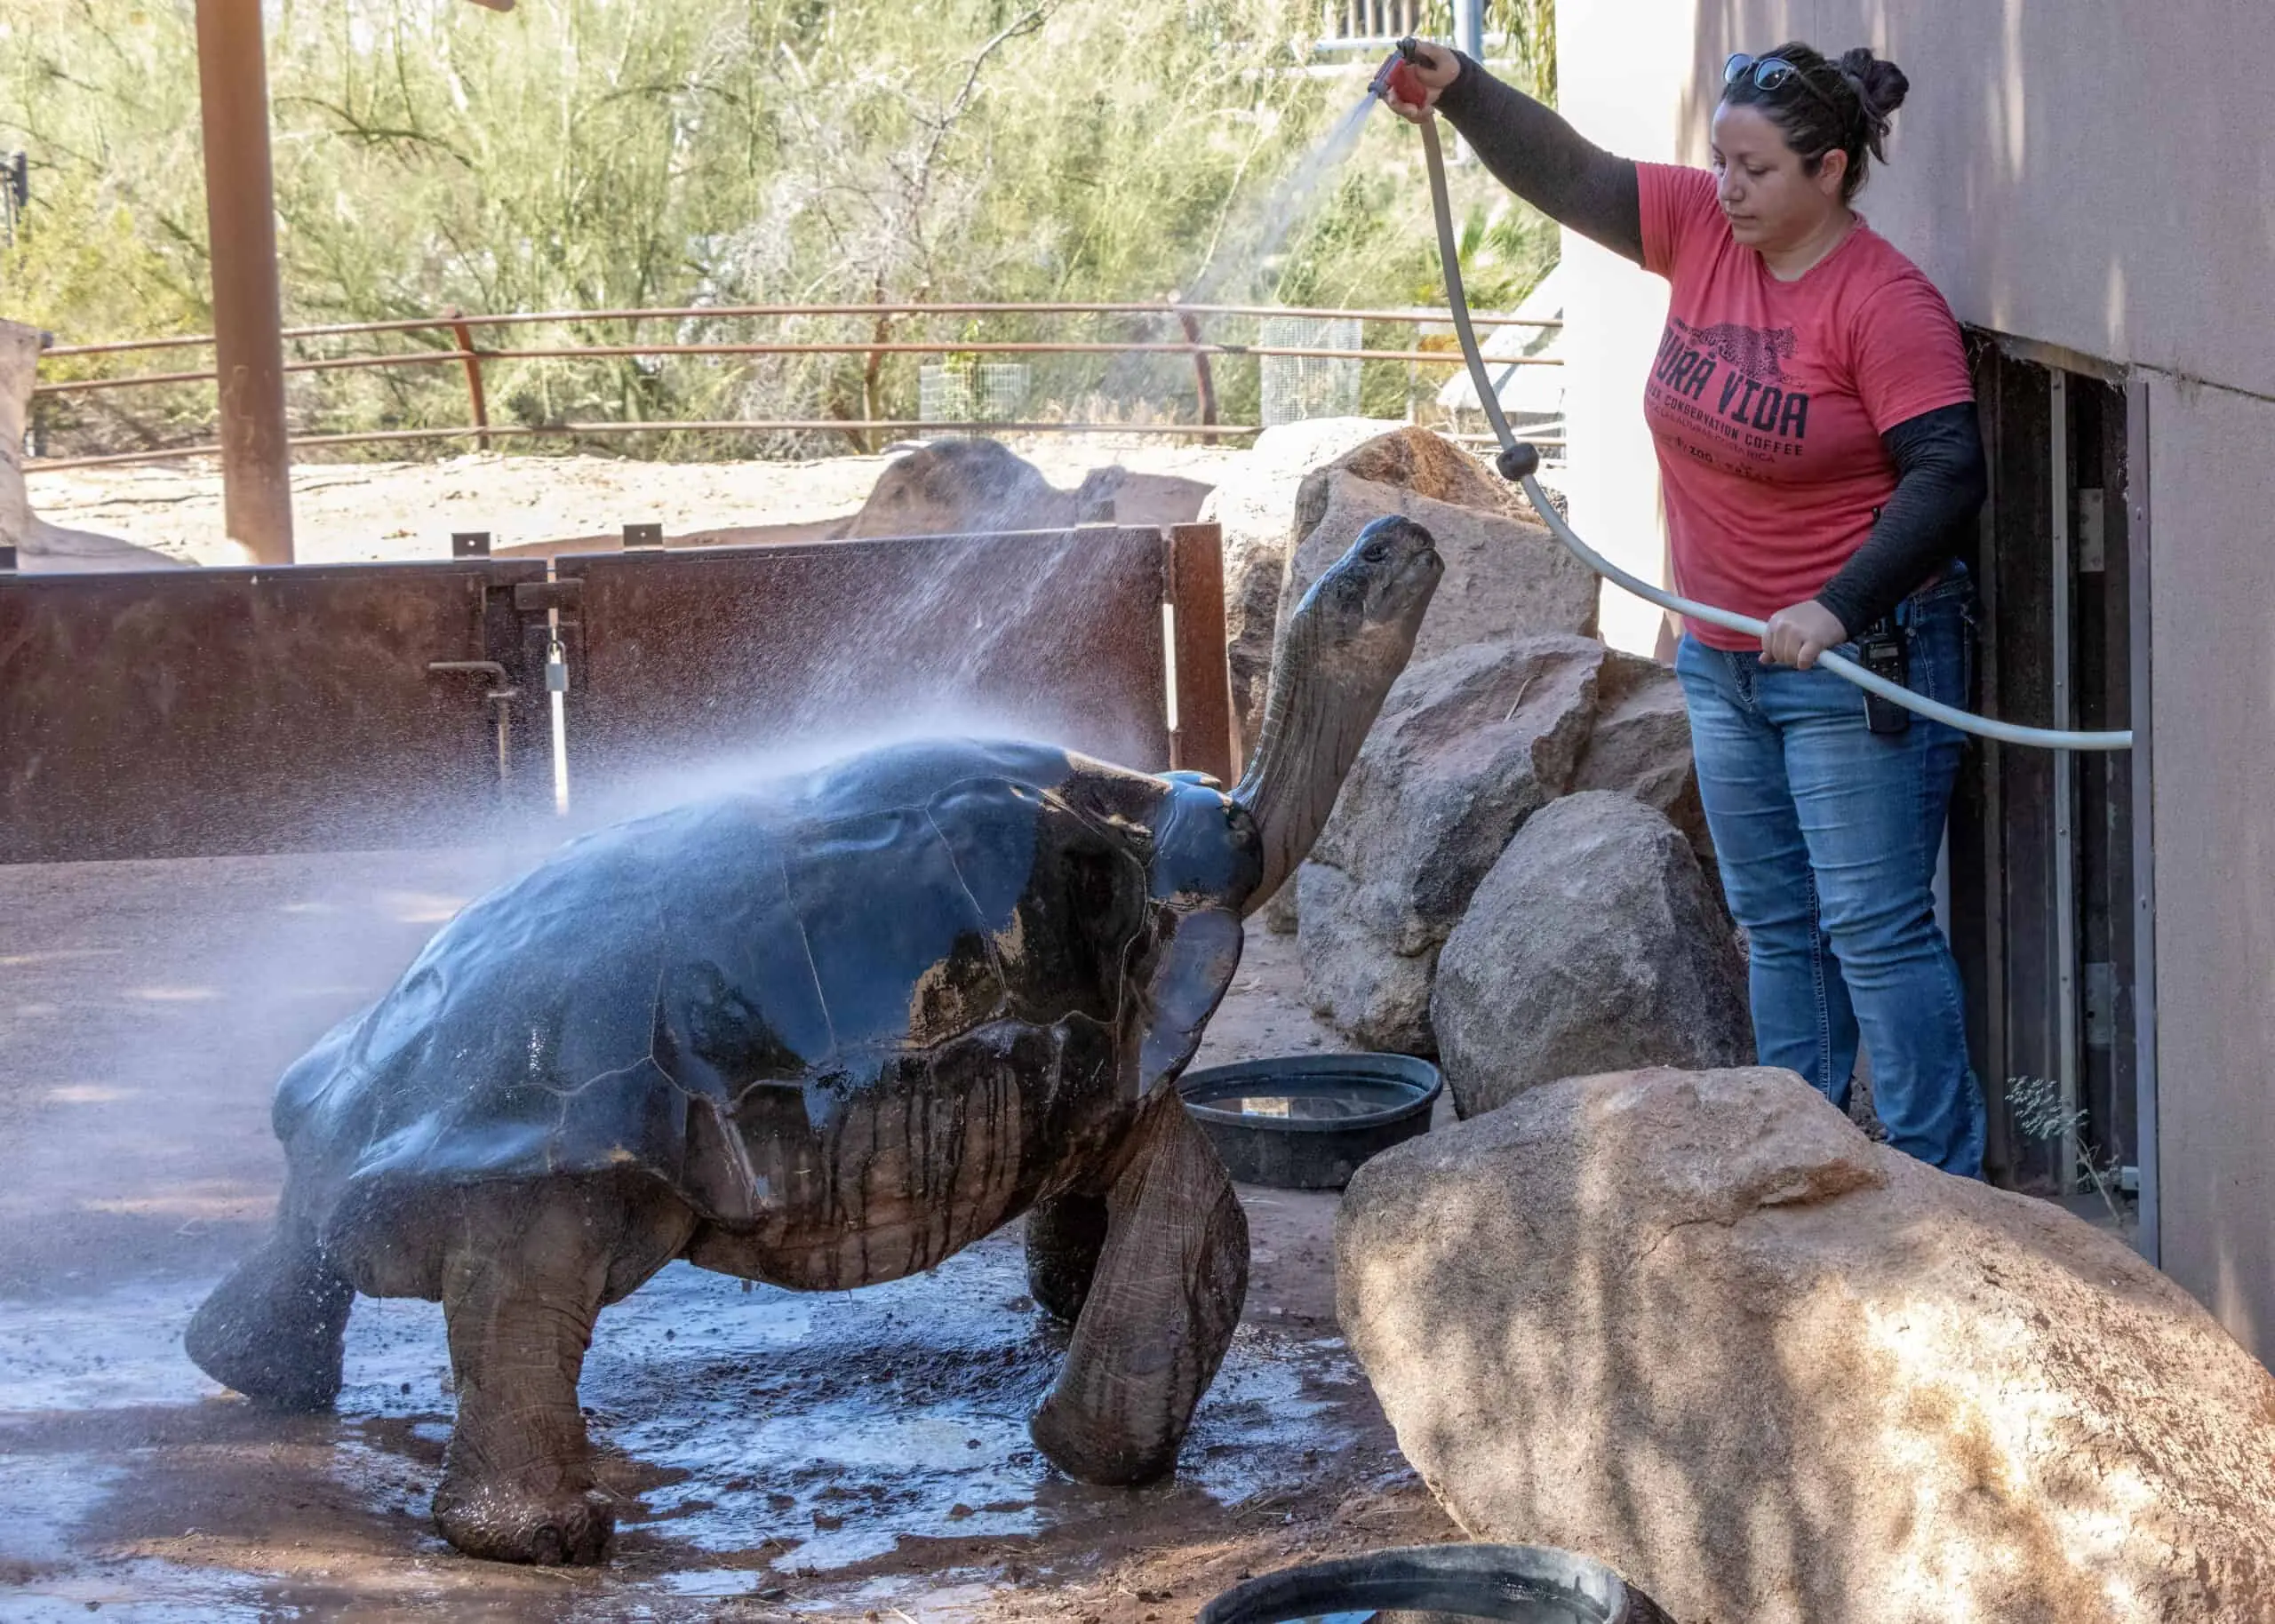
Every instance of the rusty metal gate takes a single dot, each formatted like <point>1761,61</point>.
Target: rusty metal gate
<point>723,651</point>
<point>249,710</point>
<point>233,711</point>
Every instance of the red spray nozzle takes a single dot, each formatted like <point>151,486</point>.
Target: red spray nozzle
<point>1397,76</point>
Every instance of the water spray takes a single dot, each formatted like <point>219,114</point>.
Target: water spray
<point>1519,463</point>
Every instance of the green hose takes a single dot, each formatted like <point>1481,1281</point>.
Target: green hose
<point>1520,462</point>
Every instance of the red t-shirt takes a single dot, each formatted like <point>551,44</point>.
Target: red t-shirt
<point>1767,399</point>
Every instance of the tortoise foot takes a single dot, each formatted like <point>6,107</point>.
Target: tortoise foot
<point>1090,1449</point>
<point>274,1329</point>
<point>501,1522</point>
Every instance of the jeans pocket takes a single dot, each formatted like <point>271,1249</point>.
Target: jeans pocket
<point>1942,651</point>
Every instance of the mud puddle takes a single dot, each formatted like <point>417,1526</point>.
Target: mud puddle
<point>788,1452</point>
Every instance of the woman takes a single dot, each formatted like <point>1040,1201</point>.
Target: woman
<point>1821,463</point>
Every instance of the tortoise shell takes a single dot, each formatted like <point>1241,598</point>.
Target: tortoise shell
<point>899,998</point>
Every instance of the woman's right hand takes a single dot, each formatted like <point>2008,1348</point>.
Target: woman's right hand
<point>1435,68</point>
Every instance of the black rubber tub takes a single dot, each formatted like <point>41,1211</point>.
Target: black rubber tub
<point>1521,1584</point>
<point>1306,1121</point>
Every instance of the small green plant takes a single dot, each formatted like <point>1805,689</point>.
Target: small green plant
<point>2041,1115</point>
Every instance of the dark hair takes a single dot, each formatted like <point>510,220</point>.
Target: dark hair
<point>1830,106</point>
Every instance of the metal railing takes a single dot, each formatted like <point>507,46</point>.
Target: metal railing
<point>1350,24</point>
<point>465,350</point>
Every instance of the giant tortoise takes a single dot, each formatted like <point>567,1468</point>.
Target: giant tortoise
<point>821,1034</point>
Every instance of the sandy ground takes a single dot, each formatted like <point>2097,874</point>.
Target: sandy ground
<point>345,513</point>
<point>859,1454</point>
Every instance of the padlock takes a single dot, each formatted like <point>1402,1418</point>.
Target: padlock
<point>556,669</point>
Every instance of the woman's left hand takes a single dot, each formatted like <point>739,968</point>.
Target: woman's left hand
<point>1796,636</point>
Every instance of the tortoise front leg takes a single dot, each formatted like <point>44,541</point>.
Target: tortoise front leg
<point>275,1329</point>
<point>525,1278</point>
<point>1160,1310</point>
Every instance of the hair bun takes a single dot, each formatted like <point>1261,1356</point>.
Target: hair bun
<point>1881,82</point>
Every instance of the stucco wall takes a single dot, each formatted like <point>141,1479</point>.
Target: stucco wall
<point>1614,80</point>
<point>2099,175</point>
<point>2212,538</point>
<point>2093,173</point>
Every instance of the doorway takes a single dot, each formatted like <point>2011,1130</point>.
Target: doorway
<point>2044,910</point>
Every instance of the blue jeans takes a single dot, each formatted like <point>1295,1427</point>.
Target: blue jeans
<point>1827,834</point>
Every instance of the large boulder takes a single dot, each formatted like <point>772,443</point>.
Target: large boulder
<point>1592,945</point>
<point>960,487</point>
<point>1640,746</point>
<point>1505,577</point>
<point>41,547</point>
<point>1697,1326</point>
<point>1255,508</point>
<point>1116,494</point>
<point>1469,745</point>
<point>968,486</point>
<point>1416,459</point>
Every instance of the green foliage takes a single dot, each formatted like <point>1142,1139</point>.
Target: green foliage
<point>2041,1113</point>
<point>589,154</point>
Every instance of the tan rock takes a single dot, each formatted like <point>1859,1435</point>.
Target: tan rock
<point>1592,945</point>
<point>962,487</point>
<point>1697,1325</point>
<point>1468,746</point>
<point>1255,507</point>
<point>1116,494</point>
<point>41,547</point>
<point>1416,459</point>
<point>1641,747</point>
<point>1504,579</point>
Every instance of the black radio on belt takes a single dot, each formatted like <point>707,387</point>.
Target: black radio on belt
<point>1883,651</point>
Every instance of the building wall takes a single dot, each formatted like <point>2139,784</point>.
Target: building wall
<point>2093,173</point>
<point>2097,175</point>
<point>2211,491</point>
<point>1614,82</point>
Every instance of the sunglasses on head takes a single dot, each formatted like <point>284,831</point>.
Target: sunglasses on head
<point>1770,73</point>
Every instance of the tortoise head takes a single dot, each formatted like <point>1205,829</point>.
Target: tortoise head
<point>1362,616</point>
<point>1338,653</point>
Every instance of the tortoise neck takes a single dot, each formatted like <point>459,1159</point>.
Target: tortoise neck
<point>1314,720</point>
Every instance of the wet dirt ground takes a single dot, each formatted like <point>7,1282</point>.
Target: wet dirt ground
<point>858,1455</point>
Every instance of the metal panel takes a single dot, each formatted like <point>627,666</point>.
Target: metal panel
<point>2018,627</point>
<point>756,657</point>
<point>238,710</point>
<point>2064,972</point>
<point>2102,698</point>
<point>2151,1238</point>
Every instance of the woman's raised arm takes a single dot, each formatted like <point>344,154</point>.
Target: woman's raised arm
<point>1529,149</point>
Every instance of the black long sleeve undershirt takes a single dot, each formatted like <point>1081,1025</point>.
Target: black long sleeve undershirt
<point>1532,151</point>
<point>1941,480</point>
<point>1940,475</point>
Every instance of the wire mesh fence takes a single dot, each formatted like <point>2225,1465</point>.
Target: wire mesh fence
<point>1296,388</point>
<point>983,392</point>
